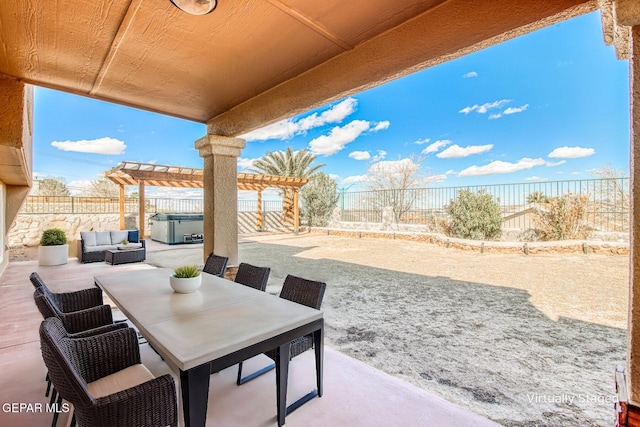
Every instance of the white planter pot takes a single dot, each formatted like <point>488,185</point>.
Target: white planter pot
<point>185,285</point>
<point>53,255</point>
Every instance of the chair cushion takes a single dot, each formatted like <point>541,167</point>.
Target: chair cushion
<point>121,380</point>
<point>103,238</point>
<point>119,236</point>
<point>89,238</point>
<point>134,236</point>
<point>130,246</point>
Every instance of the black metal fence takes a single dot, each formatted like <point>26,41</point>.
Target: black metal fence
<point>607,210</point>
<point>106,205</point>
<point>608,202</point>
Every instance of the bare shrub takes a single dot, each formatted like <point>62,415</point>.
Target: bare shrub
<point>563,218</point>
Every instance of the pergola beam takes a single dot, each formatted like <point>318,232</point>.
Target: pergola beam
<point>141,174</point>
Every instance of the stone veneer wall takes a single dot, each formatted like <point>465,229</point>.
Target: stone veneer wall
<point>527,248</point>
<point>27,229</point>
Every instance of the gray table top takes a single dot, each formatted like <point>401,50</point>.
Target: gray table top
<point>192,329</point>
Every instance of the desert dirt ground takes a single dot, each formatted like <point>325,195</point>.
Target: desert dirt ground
<point>523,340</point>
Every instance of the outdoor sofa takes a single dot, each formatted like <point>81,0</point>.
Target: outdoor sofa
<point>93,245</point>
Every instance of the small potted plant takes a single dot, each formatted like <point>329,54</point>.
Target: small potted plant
<point>186,279</point>
<point>53,249</point>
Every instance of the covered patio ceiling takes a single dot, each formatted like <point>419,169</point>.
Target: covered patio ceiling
<point>251,62</point>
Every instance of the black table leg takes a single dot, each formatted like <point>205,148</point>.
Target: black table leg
<point>194,384</point>
<point>282,374</point>
<point>318,343</point>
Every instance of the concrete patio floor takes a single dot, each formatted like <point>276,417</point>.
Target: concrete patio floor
<point>355,393</point>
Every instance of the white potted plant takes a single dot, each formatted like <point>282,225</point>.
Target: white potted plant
<point>185,279</point>
<point>53,249</point>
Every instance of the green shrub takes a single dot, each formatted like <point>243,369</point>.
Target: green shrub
<point>53,237</point>
<point>186,271</point>
<point>537,197</point>
<point>474,216</point>
<point>319,198</point>
<point>563,218</point>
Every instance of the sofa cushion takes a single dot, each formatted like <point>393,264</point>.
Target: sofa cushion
<point>99,248</point>
<point>103,238</point>
<point>119,236</point>
<point>89,238</point>
<point>134,236</point>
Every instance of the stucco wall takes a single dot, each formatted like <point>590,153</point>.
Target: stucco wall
<point>4,256</point>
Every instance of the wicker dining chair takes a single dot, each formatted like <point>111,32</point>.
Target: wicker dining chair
<point>70,301</point>
<point>73,321</point>
<point>103,378</point>
<point>252,276</point>
<point>216,265</point>
<point>257,278</point>
<point>301,291</point>
<point>86,321</point>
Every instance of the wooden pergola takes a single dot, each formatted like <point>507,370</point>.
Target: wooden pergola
<point>142,174</point>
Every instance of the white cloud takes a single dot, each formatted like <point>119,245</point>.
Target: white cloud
<point>104,145</point>
<point>514,110</point>
<point>334,177</point>
<point>551,164</point>
<point>341,136</point>
<point>482,109</point>
<point>495,116</point>
<point>436,146</point>
<point>338,138</point>
<point>470,74</point>
<point>436,178</point>
<point>354,179</point>
<point>244,163</point>
<point>571,152</point>
<point>450,172</point>
<point>576,173</point>
<point>381,126</point>
<point>422,141</point>
<point>535,178</point>
<point>498,167</point>
<point>360,155</point>
<point>381,155</point>
<point>456,152</point>
<point>286,129</point>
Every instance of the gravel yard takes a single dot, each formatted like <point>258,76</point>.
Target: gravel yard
<point>523,340</point>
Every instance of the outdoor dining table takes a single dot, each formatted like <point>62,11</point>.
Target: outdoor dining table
<point>220,325</point>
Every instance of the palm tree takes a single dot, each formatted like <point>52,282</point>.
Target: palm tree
<point>287,163</point>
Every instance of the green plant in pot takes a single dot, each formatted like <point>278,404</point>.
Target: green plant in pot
<point>53,249</point>
<point>186,279</point>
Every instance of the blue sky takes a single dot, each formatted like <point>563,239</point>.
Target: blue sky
<point>552,105</point>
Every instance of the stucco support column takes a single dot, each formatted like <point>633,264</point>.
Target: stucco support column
<point>16,132</point>
<point>633,369</point>
<point>141,205</point>
<point>296,210</point>
<point>121,206</point>
<point>259,225</point>
<point>220,194</point>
